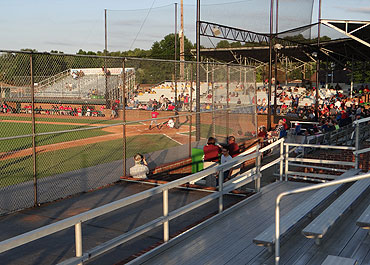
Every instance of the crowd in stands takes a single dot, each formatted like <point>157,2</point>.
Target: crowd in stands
<point>163,103</point>
<point>76,74</point>
<point>4,108</point>
<point>84,110</point>
<point>333,113</point>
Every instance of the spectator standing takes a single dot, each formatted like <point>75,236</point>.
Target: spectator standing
<point>225,157</point>
<point>140,169</point>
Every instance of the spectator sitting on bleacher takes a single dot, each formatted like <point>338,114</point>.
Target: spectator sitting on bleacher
<point>140,169</point>
<point>262,132</point>
<point>211,153</point>
<point>279,129</point>
<point>232,146</point>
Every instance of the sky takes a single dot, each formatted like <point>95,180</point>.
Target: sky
<point>68,26</point>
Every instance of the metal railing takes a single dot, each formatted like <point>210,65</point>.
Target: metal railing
<point>53,79</point>
<point>311,160</point>
<point>300,190</point>
<point>253,174</point>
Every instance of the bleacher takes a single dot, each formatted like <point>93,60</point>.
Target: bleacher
<point>84,87</point>
<point>319,227</point>
<point>303,210</point>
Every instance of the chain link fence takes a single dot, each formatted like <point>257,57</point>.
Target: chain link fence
<point>65,128</point>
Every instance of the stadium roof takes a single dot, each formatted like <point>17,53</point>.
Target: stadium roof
<point>341,49</point>
<point>356,47</point>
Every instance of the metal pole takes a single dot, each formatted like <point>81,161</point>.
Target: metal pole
<point>270,66</point>
<point>258,169</point>
<point>191,107</point>
<point>207,75</point>
<point>175,78</point>
<point>182,42</point>
<point>275,94</point>
<point>286,70</point>
<point>198,73</point>
<point>255,102</point>
<point>245,75</point>
<point>286,161</point>
<point>107,105</point>
<point>227,100</point>
<point>166,230</point>
<point>78,240</point>
<point>357,144</point>
<point>352,78</point>
<point>276,59</point>
<point>318,64</point>
<point>220,189</point>
<point>277,230</point>
<point>33,132</point>
<point>282,160</point>
<point>124,117</point>
<point>213,102</point>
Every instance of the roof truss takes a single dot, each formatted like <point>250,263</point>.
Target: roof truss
<point>348,28</point>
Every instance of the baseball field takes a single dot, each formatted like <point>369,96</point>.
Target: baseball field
<point>72,143</point>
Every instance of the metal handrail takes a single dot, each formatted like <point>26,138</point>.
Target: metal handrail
<point>361,151</point>
<point>361,120</point>
<point>251,175</point>
<point>300,190</point>
<point>322,146</point>
<point>53,78</point>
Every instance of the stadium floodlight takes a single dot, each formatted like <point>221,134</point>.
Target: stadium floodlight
<point>278,46</point>
<point>216,31</point>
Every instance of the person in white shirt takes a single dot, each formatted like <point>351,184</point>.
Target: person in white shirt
<point>140,169</point>
<point>225,157</point>
<point>170,123</point>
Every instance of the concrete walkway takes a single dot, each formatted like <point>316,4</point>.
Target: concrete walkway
<point>60,246</point>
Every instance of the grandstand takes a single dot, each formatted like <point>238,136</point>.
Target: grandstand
<point>167,89</point>
<point>83,83</point>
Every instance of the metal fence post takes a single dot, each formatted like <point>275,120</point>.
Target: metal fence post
<point>357,144</point>
<point>277,229</point>
<point>286,161</point>
<point>227,100</point>
<point>33,132</point>
<point>213,101</point>
<point>281,159</point>
<point>258,169</point>
<point>166,230</point>
<point>124,116</point>
<point>191,107</point>
<point>220,189</point>
<point>78,239</point>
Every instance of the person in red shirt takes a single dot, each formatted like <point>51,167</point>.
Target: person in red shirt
<point>262,132</point>
<point>170,107</point>
<point>232,146</point>
<point>154,115</point>
<point>286,127</point>
<point>211,153</point>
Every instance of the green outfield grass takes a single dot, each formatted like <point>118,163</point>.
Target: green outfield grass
<point>18,170</point>
<point>9,129</point>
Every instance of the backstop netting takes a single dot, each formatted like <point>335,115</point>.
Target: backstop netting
<point>74,138</point>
